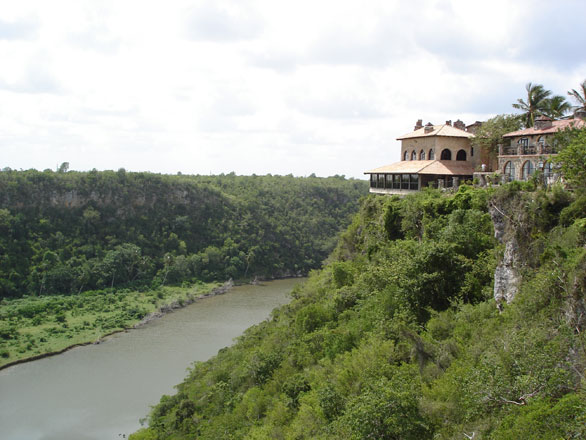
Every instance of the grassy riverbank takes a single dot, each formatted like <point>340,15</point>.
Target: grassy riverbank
<point>36,326</point>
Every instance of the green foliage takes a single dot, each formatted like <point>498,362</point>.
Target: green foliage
<point>68,232</point>
<point>397,337</point>
<point>579,96</point>
<point>572,157</point>
<point>535,104</point>
<point>342,274</point>
<point>564,419</point>
<point>387,409</point>
<point>31,326</point>
<point>490,134</point>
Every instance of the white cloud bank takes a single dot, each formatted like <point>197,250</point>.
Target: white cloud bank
<point>264,86</point>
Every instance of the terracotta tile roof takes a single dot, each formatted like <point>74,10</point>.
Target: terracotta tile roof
<point>438,130</point>
<point>556,126</point>
<point>446,167</point>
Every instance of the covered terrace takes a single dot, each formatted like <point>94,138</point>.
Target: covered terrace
<point>410,176</point>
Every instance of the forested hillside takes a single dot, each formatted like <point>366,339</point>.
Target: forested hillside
<point>399,336</point>
<point>68,232</point>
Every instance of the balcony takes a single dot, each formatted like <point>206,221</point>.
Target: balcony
<point>508,151</point>
<point>525,150</point>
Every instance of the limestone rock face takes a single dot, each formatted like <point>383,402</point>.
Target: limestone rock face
<point>506,274</point>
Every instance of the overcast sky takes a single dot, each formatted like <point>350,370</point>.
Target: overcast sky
<point>265,86</point>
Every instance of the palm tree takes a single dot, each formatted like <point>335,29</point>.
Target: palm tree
<point>579,96</point>
<point>536,101</point>
<point>556,107</point>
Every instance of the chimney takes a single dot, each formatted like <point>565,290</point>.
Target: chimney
<point>418,125</point>
<point>472,128</point>
<point>580,114</point>
<point>460,125</point>
<point>542,123</point>
<point>428,127</point>
<point>449,123</point>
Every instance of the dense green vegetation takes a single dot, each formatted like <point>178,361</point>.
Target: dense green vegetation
<point>68,232</point>
<point>398,337</point>
<point>34,326</point>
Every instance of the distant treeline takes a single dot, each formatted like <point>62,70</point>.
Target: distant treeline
<point>66,232</point>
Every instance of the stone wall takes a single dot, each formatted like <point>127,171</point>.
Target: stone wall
<point>438,144</point>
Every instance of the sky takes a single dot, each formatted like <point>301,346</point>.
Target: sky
<point>265,86</point>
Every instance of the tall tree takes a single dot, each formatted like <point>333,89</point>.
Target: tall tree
<point>579,96</point>
<point>572,157</point>
<point>490,134</point>
<point>556,107</point>
<point>535,105</point>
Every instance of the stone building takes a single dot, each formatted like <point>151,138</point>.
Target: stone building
<point>527,151</point>
<point>431,155</point>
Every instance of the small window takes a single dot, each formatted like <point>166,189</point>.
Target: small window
<point>404,181</point>
<point>381,181</point>
<point>527,170</point>
<point>413,155</point>
<point>414,181</point>
<point>373,180</point>
<point>446,155</point>
<point>396,181</point>
<point>524,142</point>
<point>471,151</point>
<point>509,171</point>
<point>431,155</point>
<point>461,155</point>
<point>405,155</point>
<point>541,141</point>
<point>422,155</point>
<point>388,180</point>
<point>547,169</point>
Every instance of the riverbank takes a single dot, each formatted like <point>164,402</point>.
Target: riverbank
<point>102,391</point>
<point>37,327</point>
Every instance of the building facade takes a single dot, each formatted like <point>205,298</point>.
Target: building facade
<point>529,150</point>
<point>440,156</point>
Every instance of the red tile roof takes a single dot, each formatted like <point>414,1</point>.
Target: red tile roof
<point>439,167</point>
<point>556,126</point>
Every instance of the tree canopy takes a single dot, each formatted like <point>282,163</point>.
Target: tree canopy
<point>579,96</point>
<point>490,134</point>
<point>66,232</point>
<point>534,104</point>
<point>572,157</point>
<point>540,102</point>
<point>398,337</point>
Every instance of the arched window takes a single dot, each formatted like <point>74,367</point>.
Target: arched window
<point>446,155</point>
<point>527,169</point>
<point>509,171</point>
<point>422,155</point>
<point>541,141</point>
<point>431,155</point>
<point>405,155</point>
<point>461,155</point>
<point>414,155</point>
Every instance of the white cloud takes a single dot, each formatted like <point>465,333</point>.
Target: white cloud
<point>223,22</point>
<point>259,86</point>
<point>22,29</point>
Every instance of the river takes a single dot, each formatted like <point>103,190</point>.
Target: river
<point>99,392</point>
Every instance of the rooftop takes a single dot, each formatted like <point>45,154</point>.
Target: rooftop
<point>448,167</point>
<point>438,130</point>
<point>555,126</point>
